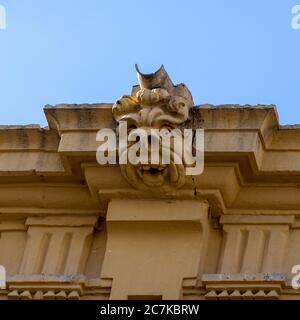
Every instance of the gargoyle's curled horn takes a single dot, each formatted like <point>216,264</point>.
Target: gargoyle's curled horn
<point>158,79</point>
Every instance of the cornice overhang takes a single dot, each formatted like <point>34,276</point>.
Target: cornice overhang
<point>247,153</point>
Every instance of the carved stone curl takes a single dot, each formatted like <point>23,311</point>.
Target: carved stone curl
<point>156,104</point>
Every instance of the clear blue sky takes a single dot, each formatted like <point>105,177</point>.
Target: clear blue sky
<point>71,51</point>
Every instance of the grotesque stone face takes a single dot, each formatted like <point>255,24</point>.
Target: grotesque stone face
<point>155,104</point>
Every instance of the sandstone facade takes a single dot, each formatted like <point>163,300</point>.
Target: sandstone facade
<point>73,229</point>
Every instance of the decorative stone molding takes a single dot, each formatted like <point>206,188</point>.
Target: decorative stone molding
<point>57,245</point>
<point>254,243</point>
<point>45,287</point>
<point>54,287</point>
<point>245,286</point>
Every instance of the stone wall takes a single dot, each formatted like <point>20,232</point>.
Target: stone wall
<point>73,229</point>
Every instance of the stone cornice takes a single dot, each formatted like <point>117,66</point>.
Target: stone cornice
<point>247,153</point>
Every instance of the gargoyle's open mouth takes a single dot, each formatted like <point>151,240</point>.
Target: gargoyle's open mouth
<point>155,176</point>
<point>152,175</point>
<point>152,170</point>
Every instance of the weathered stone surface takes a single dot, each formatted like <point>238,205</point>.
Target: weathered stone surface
<point>79,230</point>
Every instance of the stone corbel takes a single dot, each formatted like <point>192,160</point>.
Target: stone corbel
<point>57,244</point>
<point>153,246</point>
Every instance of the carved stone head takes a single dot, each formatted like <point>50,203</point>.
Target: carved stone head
<point>155,104</point>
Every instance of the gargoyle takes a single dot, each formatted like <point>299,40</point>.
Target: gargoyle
<point>155,104</point>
